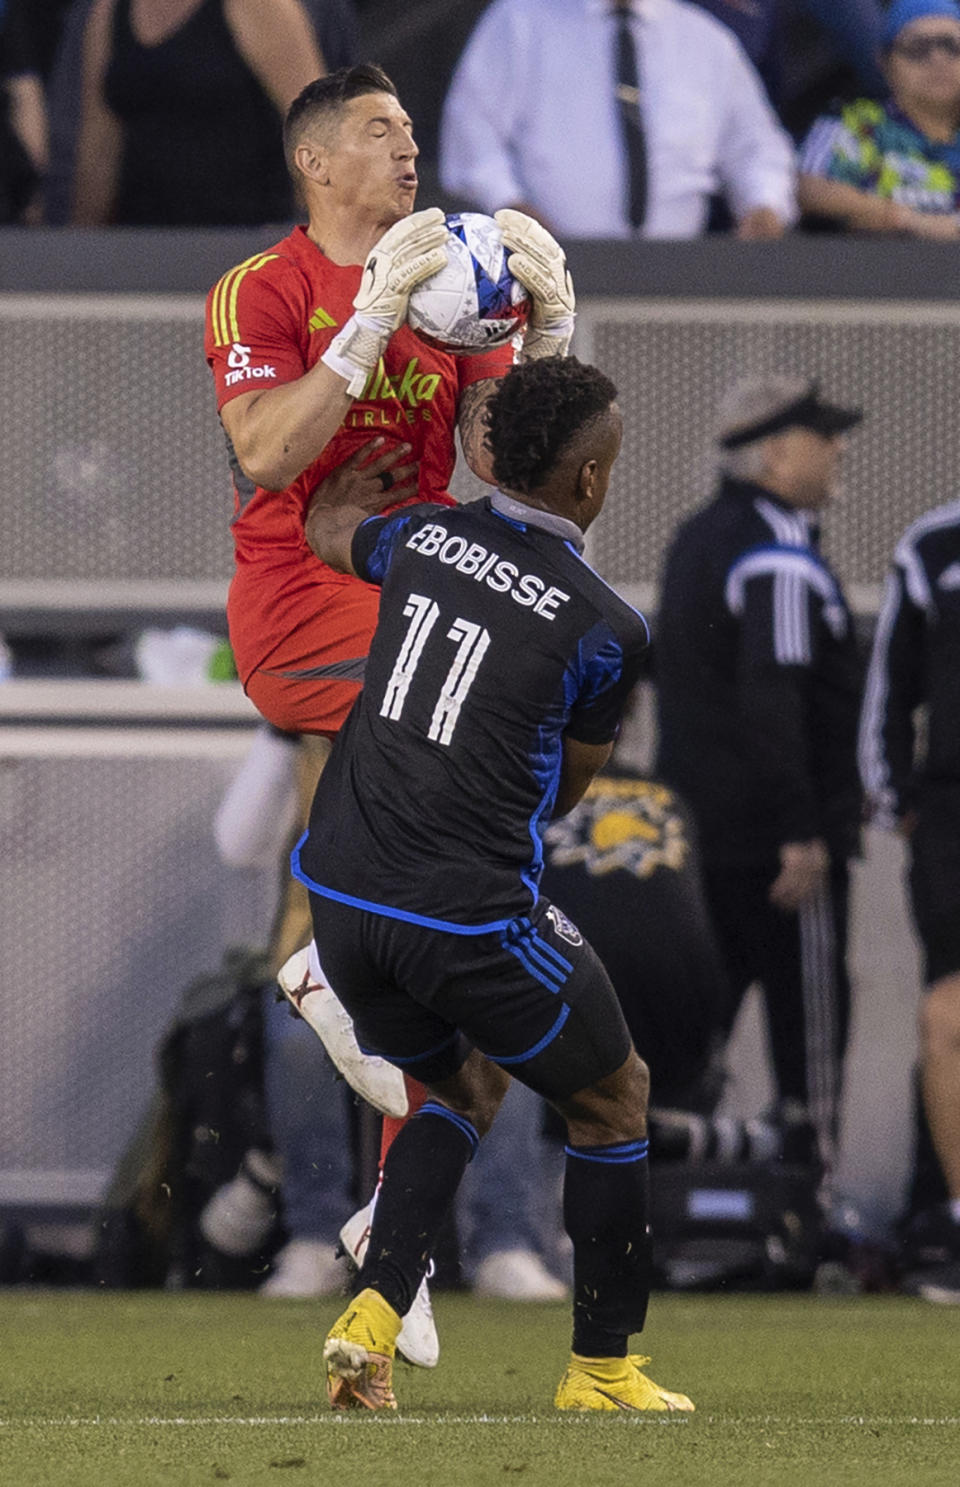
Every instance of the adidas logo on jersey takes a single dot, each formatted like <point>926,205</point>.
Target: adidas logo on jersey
<point>321,319</point>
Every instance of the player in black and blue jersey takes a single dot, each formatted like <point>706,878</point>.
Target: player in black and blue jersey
<point>493,693</point>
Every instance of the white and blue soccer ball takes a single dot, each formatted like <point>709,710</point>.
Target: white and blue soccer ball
<point>473,303</point>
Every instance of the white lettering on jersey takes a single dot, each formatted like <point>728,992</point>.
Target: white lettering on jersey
<point>471,560</point>
<point>453,549</point>
<point>473,641</point>
<point>248,374</point>
<point>473,646</point>
<point>429,539</point>
<point>528,590</point>
<point>423,614</point>
<point>502,577</point>
<point>474,561</point>
<point>241,370</point>
<point>548,604</point>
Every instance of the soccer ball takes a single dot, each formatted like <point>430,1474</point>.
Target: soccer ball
<point>473,303</point>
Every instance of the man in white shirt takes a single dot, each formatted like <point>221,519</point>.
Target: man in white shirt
<point>534,118</point>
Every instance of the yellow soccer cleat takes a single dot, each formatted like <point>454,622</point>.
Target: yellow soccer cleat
<point>359,1352</point>
<point>614,1384</point>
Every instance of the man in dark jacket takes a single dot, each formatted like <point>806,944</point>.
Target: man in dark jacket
<point>758,693</point>
<point>910,764</point>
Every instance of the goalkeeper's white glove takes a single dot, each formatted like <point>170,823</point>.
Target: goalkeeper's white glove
<point>409,252</point>
<point>537,260</point>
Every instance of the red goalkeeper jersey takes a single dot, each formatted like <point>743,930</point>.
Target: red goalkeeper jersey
<point>269,320</point>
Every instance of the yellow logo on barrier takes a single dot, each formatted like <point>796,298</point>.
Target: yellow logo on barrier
<point>629,825</point>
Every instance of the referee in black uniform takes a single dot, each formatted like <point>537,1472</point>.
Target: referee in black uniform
<point>493,692</point>
<point>758,685</point>
<point>912,778</point>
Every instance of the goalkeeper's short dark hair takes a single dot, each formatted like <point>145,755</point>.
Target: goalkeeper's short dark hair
<point>321,101</point>
<point>537,411</point>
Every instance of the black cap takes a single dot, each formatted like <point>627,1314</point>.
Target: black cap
<point>807,412</point>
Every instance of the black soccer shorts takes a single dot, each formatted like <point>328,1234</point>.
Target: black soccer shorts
<point>935,879</point>
<point>533,997</point>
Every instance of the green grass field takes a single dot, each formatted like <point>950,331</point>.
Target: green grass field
<point>201,1388</point>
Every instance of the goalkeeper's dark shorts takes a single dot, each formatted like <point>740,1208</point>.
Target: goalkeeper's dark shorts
<point>534,997</point>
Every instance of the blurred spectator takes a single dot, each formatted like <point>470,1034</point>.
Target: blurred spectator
<point>829,52</point>
<point>895,166</point>
<point>29,34</point>
<point>34,28</point>
<point>18,179</point>
<point>22,142</point>
<point>911,771</point>
<point>547,112</point>
<point>182,108</point>
<point>335,26</point>
<point>758,26</point>
<point>846,35</point>
<point>334,23</point>
<point>808,52</point>
<point>758,683</point>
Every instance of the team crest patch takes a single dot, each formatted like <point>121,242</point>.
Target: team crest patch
<point>627,824</point>
<point>563,926</point>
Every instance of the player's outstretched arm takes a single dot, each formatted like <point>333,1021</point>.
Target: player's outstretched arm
<point>330,529</point>
<point>353,491</point>
<point>278,432</point>
<point>540,264</point>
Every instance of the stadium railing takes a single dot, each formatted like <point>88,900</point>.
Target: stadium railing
<point>113,901</point>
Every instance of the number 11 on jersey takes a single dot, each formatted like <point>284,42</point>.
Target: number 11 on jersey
<point>473,640</point>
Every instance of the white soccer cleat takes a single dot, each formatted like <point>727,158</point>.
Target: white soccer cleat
<point>380,1083</point>
<point>417,1340</point>
<point>355,1234</point>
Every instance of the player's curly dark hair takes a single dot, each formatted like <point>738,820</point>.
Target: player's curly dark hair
<point>537,411</point>
<point>325,96</point>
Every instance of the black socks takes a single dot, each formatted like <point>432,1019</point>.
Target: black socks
<point>605,1205</point>
<point>421,1175</point>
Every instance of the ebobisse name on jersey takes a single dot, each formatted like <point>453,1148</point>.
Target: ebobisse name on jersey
<point>475,561</point>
